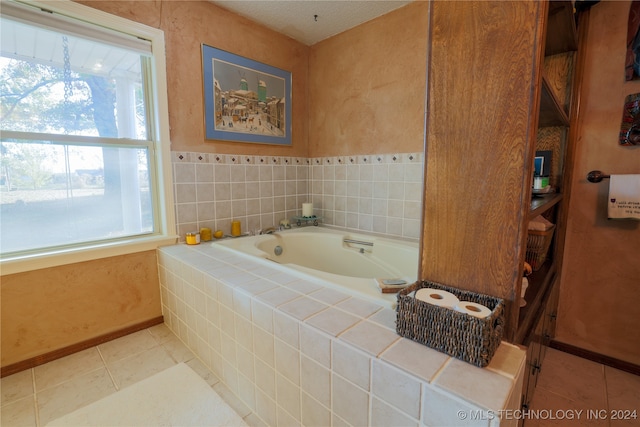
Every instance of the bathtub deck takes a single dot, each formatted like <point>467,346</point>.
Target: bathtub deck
<point>300,353</point>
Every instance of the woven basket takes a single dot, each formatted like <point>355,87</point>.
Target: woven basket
<point>457,334</point>
<point>538,243</point>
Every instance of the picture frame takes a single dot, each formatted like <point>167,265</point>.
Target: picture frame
<point>245,100</point>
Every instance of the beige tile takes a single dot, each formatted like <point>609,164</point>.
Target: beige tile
<point>396,388</point>
<point>370,337</point>
<point>507,360</point>
<point>19,413</point>
<point>623,394</point>
<point>582,380</point>
<point>16,386</point>
<point>303,287</point>
<point>303,308</point>
<point>476,385</point>
<point>286,329</point>
<point>278,296</point>
<point>288,361</point>
<point>549,409</point>
<point>383,415</point>
<point>329,296</point>
<point>265,377</point>
<point>266,408</point>
<point>359,307</point>
<point>415,358</point>
<point>352,364</point>
<point>385,317</point>
<point>126,346</point>
<point>139,366</point>
<point>313,413</point>
<point>253,420</point>
<point>60,370</point>
<point>440,408</point>
<point>333,321</point>
<point>176,349</point>
<point>315,380</point>
<point>199,368</point>
<point>161,333</point>
<point>288,396</point>
<point>349,401</point>
<point>263,346</point>
<point>315,344</point>
<point>73,394</point>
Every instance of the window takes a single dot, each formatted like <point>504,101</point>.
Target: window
<point>83,116</point>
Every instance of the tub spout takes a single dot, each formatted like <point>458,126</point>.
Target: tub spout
<point>269,230</point>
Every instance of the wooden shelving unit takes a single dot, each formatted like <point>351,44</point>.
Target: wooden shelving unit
<point>536,320</point>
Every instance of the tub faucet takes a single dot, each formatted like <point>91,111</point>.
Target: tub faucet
<point>269,230</point>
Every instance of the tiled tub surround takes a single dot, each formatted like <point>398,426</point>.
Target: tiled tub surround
<point>300,353</point>
<point>378,193</point>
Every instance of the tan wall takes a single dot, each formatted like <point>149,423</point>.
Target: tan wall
<point>600,286</point>
<point>45,310</point>
<point>189,24</point>
<point>367,86</point>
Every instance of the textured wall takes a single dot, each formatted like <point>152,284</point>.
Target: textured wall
<point>600,286</point>
<point>45,310</point>
<point>367,86</point>
<point>188,25</point>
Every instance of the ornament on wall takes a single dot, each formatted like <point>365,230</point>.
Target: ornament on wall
<point>632,62</point>
<point>630,128</point>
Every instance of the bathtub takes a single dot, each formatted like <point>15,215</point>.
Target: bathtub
<point>340,259</point>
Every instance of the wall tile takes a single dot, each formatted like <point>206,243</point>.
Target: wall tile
<point>256,190</point>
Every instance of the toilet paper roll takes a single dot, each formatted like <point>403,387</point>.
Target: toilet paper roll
<point>307,209</point>
<point>437,297</point>
<point>472,309</point>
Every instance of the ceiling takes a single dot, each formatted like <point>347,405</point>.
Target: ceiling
<point>310,21</point>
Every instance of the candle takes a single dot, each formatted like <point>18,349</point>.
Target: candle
<point>307,209</point>
<point>236,228</point>
<point>205,234</point>
<point>193,238</point>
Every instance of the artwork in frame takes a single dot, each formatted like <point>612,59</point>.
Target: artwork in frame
<point>245,100</point>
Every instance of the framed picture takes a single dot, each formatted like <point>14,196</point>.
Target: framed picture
<point>245,100</point>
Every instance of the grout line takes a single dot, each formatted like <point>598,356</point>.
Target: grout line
<point>35,397</point>
<point>113,381</point>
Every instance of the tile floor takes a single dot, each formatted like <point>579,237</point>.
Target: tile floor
<point>567,384</point>
<point>37,396</point>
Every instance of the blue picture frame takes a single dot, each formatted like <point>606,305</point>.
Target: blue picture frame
<point>245,100</point>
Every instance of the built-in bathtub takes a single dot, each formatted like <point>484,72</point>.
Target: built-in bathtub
<point>296,349</point>
<point>355,263</point>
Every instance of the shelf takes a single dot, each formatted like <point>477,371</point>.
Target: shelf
<point>561,28</point>
<point>543,203</point>
<point>551,111</point>
<point>539,283</point>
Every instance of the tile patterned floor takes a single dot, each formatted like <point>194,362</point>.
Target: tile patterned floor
<point>37,396</point>
<point>567,384</point>
<point>579,392</point>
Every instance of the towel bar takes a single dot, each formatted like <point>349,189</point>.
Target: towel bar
<point>596,176</point>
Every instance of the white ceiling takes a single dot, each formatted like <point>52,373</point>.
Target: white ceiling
<point>310,21</point>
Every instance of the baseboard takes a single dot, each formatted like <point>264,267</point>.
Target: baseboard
<point>74,348</point>
<point>596,357</point>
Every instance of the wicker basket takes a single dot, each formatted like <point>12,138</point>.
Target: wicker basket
<point>468,338</point>
<point>538,243</point>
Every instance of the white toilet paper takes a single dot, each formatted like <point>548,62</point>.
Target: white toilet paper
<point>472,309</point>
<point>437,297</point>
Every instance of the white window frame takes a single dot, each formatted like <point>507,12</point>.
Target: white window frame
<point>166,227</point>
